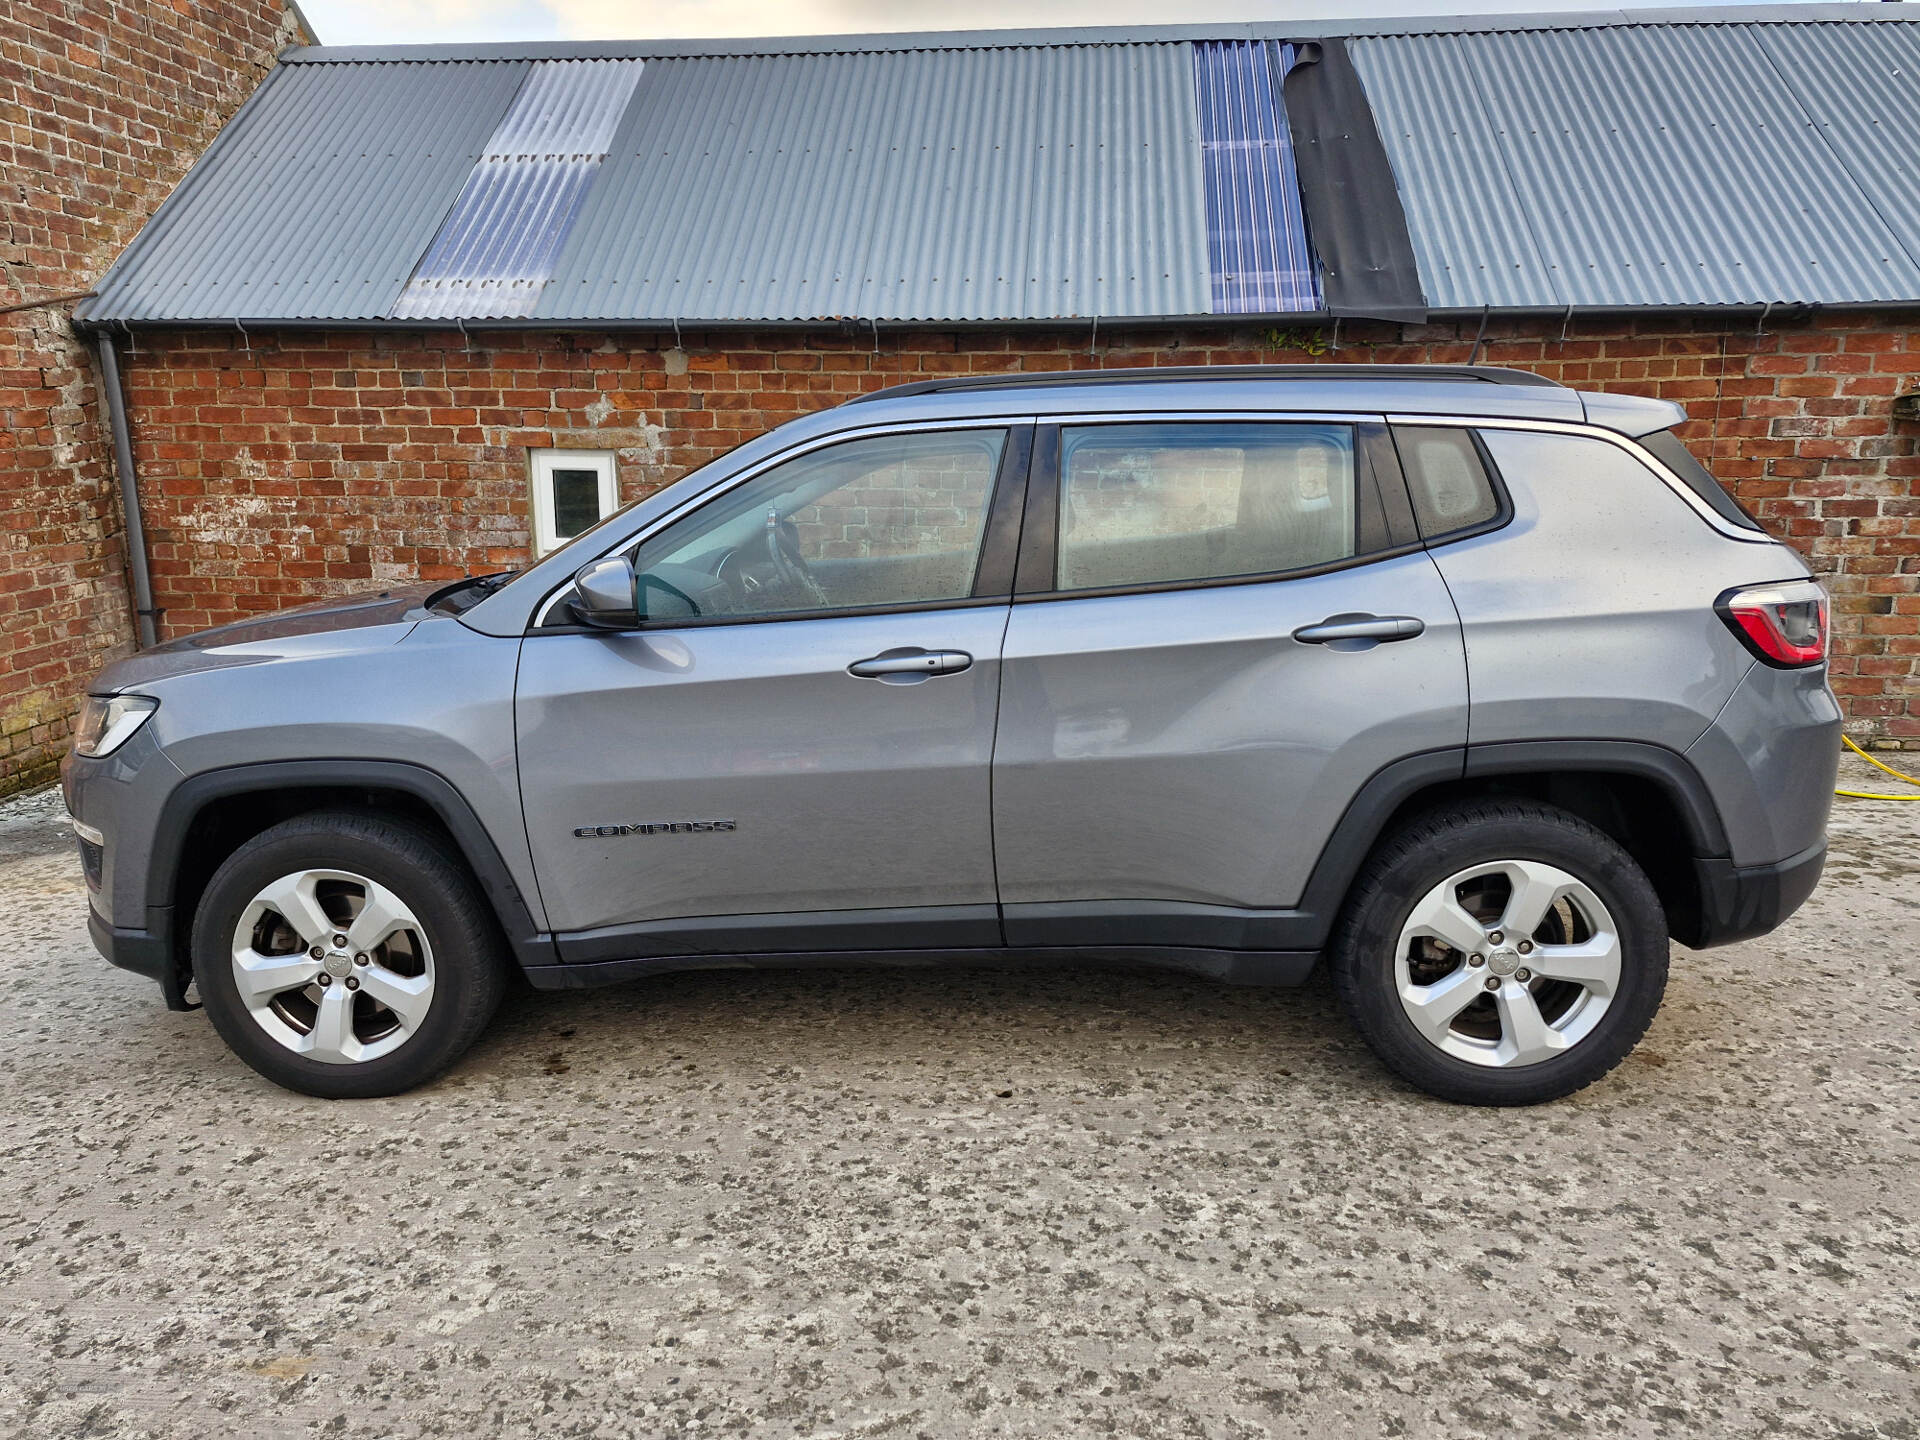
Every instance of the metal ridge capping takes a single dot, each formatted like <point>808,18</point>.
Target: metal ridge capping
<point>1323,27</point>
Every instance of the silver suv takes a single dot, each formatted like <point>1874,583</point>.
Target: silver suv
<point>1476,685</point>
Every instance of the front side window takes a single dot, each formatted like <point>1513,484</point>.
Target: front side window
<point>1160,503</point>
<point>884,520</point>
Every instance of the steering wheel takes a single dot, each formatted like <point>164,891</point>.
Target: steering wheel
<point>783,549</point>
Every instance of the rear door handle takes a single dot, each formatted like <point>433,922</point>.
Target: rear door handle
<point>910,665</point>
<point>1357,627</point>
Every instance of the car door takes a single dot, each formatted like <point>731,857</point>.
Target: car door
<point>804,764</point>
<point>1221,630</point>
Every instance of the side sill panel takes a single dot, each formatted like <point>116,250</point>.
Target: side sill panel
<point>903,928</point>
<point>1232,967</point>
<point>1160,922</point>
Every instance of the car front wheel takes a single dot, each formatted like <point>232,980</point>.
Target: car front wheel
<point>346,955</point>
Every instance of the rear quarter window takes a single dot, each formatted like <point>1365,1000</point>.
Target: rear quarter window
<point>1447,478</point>
<point>1667,449</point>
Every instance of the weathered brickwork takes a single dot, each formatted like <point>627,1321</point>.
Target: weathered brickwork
<point>287,467</point>
<point>103,106</point>
<point>312,464</point>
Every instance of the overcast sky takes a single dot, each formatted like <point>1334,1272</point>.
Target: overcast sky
<point>365,22</point>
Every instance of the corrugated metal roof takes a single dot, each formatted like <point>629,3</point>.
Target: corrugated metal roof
<point>1861,87</point>
<point>317,199</point>
<point>1713,158</point>
<point>1641,165</point>
<point>1671,164</point>
<point>997,184</point>
<point>1463,211</point>
<point>496,250</point>
<point>1257,251</point>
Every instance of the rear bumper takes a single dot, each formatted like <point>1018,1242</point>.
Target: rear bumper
<point>1740,902</point>
<point>147,952</point>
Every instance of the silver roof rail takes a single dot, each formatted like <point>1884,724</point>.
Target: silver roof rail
<point>1155,374</point>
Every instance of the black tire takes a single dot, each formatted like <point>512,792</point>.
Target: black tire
<point>469,961</point>
<point>1412,861</point>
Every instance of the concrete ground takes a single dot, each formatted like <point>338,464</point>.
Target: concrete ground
<point>922,1204</point>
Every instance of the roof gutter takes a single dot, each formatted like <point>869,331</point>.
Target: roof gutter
<point>1777,309</point>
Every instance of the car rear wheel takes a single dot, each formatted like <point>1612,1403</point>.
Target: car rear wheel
<point>346,955</point>
<point>1501,953</point>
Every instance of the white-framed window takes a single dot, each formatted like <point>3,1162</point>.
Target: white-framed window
<point>572,491</point>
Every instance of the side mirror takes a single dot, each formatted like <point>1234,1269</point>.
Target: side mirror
<point>610,596</point>
<point>607,595</point>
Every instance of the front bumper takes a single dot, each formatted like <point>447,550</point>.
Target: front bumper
<point>1740,902</point>
<point>149,952</point>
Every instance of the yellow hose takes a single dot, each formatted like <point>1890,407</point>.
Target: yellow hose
<point>1868,794</point>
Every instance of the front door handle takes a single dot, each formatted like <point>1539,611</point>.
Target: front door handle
<point>911,665</point>
<point>1366,629</point>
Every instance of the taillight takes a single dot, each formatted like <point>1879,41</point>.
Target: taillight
<point>1784,623</point>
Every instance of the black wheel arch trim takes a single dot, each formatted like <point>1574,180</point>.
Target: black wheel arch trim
<point>1366,817</point>
<point>530,945</point>
<point>148,952</point>
<point>1669,769</point>
<point>1360,828</point>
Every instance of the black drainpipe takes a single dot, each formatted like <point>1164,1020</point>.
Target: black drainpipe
<point>143,611</point>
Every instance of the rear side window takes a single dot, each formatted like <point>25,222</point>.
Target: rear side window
<point>1167,502</point>
<point>1447,479</point>
<point>1667,449</point>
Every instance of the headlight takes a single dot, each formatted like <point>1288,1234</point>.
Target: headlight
<point>108,721</point>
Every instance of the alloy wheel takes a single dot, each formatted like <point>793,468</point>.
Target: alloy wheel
<point>1507,963</point>
<point>334,966</point>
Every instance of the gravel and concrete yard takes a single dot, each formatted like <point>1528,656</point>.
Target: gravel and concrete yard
<point>956,1204</point>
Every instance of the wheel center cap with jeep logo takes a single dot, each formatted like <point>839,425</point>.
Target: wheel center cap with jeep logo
<point>338,964</point>
<point>1503,961</point>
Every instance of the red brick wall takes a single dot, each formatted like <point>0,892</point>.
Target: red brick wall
<point>319,463</point>
<point>103,105</point>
